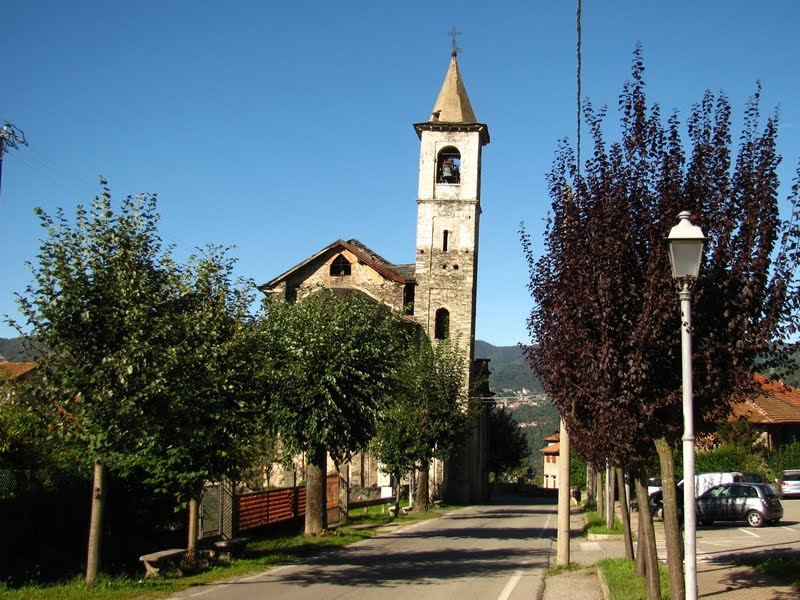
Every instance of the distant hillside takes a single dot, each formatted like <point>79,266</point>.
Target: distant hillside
<point>508,368</point>
<point>12,350</point>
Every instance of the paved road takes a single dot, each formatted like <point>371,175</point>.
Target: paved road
<point>497,551</point>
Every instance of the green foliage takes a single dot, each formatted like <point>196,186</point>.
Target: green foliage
<point>97,311</point>
<point>784,458</point>
<point>507,446</point>
<point>728,457</point>
<point>329,361</point>
<point>577,471</point>
<point>428,414</point>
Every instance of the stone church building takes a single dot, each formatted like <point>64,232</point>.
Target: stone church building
<point>439,289</point>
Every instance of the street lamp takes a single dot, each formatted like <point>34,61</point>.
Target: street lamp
<point>686,242</point>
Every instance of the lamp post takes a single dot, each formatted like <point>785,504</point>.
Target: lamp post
<point>686,242</point>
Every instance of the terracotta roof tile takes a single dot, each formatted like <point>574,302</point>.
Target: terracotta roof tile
<point>15,370</point>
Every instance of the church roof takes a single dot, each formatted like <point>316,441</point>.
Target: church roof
<point>453,108</point>
<point>452,105</point>
<point>398,273</point>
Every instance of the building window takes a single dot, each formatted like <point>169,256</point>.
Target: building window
<point>442,328</point>
<point>340,266</point>
<point>445,240</point>
<point>408,299</point>
<point>448,165</point>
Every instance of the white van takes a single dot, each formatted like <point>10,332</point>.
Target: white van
<point>704,481</point>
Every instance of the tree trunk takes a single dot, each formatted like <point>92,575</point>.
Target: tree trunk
<point>194,521</point>
<point>397,495</point>
<point>422,496</point>
<point>672,531</point>
<point>96,522</point>
<point>609,489</point>
<point>590,489</point>
<point>316,512</point>
<point>600,494</point>
<point>641,551</point>
<point>652,576</point>
<point>626,516</point>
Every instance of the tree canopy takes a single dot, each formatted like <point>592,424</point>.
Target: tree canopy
<point>329,361</point>
<point>605,325</point>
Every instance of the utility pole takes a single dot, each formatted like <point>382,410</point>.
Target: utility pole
<point>10,137</point>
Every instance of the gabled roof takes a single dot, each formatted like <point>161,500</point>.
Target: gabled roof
<point>453,110</point>
<point>400,273</point>
<point>551,450</point>
<point>552,438</point>
<point>15,370</point>
<point>778,403</point>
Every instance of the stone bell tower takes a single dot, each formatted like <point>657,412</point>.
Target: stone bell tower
<point>448,219</point>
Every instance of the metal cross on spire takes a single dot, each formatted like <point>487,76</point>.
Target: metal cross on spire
<point>454,33</point>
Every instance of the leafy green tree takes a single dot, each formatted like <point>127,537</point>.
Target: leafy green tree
<point>429,414</point>
<point>606,321</point>
<point>508,446</point>
<point>329,362</point>
<point>214,411</point>
<point>729,457</point>
<point>99,318</point>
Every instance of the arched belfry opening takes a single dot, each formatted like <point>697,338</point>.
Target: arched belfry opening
<point>448,165</point>
<point>340,266</point>
<point>441,330</point>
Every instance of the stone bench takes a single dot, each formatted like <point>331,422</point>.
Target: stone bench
<point>155,561</point>
<point>403,510</point>
<point>225,549</point>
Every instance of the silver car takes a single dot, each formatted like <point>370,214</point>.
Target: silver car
<point>789,484</point>
<point>756,503</point>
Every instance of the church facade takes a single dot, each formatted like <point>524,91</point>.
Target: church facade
<point>439,290</point>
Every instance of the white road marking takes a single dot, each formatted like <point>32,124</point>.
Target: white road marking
<point>748,532</point>
<point>512,583</point>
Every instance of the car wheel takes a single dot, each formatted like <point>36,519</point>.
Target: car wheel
<point>754,519</point>
<point>659,512</point>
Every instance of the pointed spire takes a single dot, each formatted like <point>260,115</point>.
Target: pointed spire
<point>452,105</point>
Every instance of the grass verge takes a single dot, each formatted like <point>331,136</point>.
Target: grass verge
<point>596,523</point>
<point>623,582</point>
<point>259,555</point>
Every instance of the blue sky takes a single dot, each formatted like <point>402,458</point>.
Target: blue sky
<point>280,127</point>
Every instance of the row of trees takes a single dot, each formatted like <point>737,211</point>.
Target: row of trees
<point>605,326</point>
<point>162,370</point>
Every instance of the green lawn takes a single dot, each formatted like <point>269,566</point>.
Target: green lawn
<point>624,584</point>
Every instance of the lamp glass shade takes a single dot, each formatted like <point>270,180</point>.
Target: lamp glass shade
<point>686,243</point>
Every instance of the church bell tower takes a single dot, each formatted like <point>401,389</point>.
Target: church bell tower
<point>448,214</point>
<point>448,223</point>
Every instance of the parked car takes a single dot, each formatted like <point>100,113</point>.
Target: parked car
<point>756,503</point>
<point>789,484</point>
<point>657,502</point>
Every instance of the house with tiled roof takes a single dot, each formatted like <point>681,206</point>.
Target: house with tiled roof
<point>774,411</point>
<point>550,455</point>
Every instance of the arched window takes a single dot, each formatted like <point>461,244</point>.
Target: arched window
<point>340,266</point>
<point>448,165</point>
<point>442,327</point>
